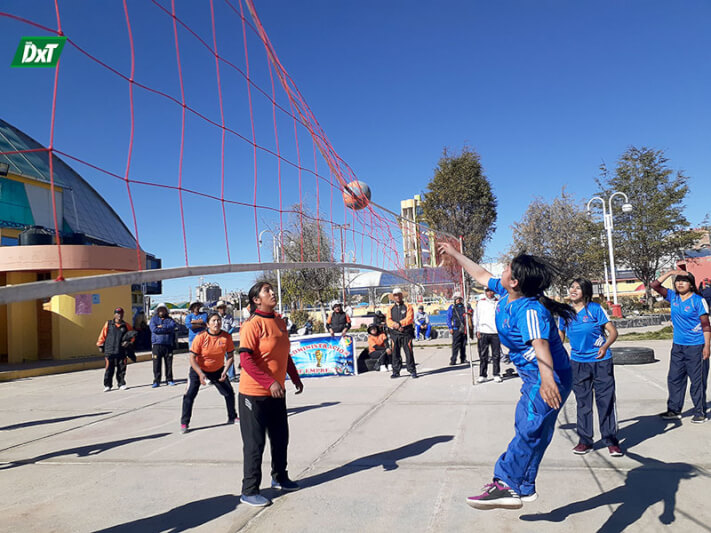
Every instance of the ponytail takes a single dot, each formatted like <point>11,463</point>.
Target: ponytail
<point>534,275</point>
<point>563,310</point>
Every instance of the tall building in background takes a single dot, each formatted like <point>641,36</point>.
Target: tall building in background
<point>417,240</point>
<point>208,292</point>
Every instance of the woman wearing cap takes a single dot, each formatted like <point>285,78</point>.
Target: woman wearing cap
<point>690,348</point>
<point>378,347</point>
<point>196,321</point>
<point>207,362</point>
<point>526,325</point>
<point>162,341</point>
<point>264,355</point>
<point>591,334</point>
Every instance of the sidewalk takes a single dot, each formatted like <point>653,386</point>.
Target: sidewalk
<point>372,454</point>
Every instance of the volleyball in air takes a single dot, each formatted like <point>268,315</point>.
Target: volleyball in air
<point>356,194</point>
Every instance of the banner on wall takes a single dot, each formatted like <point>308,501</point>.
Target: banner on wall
<point>323,355</point>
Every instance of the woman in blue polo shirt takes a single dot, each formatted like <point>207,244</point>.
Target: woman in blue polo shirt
<point>690,349</point>
<point>591,334</point>
<point>527,327</point>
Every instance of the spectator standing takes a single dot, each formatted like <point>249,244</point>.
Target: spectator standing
<point>207,362</point>
<point>690,347</point>
<point>487,336</point>
<point>338,321</point>
<point>114,343</point>
<point>195,321</point>
<point>591,334</point>
<point>228,326</point>
<point>457,324</point>
<point>162,342</point>
<point>400,318</point>
<point>264,354</point>
<point>422,320</point>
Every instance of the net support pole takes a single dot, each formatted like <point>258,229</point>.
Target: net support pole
<point>469,319</point>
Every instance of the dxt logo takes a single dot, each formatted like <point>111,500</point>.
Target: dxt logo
<point>38,51</point>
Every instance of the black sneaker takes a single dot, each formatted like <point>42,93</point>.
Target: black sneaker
<point>393,375</point>
<point>413,375</point>
<point>496,495</point>
<point>698,419</point>
<point>287,485</point>
<point>671,415</point>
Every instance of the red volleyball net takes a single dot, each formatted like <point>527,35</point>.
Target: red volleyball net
<point>185,120</point>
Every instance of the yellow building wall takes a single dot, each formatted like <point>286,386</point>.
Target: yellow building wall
<point>75,335</point>
<point>21,323</point>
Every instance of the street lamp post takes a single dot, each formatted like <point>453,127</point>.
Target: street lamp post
<point>275,257</point>
<point>608,224</point>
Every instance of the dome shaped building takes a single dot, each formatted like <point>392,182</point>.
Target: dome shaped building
<point>94,241</point>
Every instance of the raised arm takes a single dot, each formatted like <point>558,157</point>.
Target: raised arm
<point>480,274</point>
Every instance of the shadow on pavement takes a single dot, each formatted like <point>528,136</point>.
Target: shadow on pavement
<point>296,410</point>
<point>49,421</point>
<point>181,518</point>
<point>652,482</point>
<point>444,369</point>
<point>387,459</point>
<point>644,427</point>
<point>81,451</point>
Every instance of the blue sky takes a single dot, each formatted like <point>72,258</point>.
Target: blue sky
<point>544,91</point>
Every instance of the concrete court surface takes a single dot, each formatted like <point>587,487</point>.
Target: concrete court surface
<point>372,454</point>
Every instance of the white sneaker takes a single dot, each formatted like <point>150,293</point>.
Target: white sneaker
<point>123,387</point>
<point>481,379</point>
<point>498,379</point>
<point>107,389</point>
<point>383,368</point>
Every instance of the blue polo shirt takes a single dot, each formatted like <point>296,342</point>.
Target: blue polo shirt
<point>188,319</point>
<point>520,322</point>
<point>587,333</point>
<point>685,316</point>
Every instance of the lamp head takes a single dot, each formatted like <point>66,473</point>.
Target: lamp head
<point>627,208</point>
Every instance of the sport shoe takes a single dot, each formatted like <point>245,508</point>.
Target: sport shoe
<point>123,387</point>
<point>413,375</point>
<point>183,428</point>
<point>107,389</point>
<point>615,451</point>
<point>255,500</point>
<point>383,368</point>
<point>480,379</point>
<point>582,449</point>
<point>499,380</point>
<point>155,385</point>
<point>496,495</point>
<point>171,383</point>
<point>528,498</point>
<point>393,376</point>
<point>286,485</point>
<point>698,419</point>
<point>231,421</point>
<point>452,363</point>
<point>671,415</point>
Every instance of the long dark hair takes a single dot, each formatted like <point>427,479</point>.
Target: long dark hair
<point>534,275</point>
<point>687,277</point>
<point>254,293</point>
<point>585,287</point>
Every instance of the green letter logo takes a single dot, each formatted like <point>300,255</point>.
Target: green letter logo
<point>38,52</point>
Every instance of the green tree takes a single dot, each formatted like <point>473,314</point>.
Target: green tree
<point>654,234</point>
<point>459,200</point>
<point>562,232</point>
<point>304,239</point>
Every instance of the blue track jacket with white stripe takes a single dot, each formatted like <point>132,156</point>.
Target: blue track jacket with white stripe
<point>522,321</point>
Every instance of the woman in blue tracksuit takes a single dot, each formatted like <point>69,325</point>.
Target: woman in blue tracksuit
<point>591,334</point>
<point>526,325</point>
<point>690,349</point>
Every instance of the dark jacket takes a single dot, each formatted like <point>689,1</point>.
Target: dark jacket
<point>339,322</point>
<point>114,337</point>
<point>162,330</point>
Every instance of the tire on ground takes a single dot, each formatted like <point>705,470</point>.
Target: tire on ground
<point>632,355</point>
